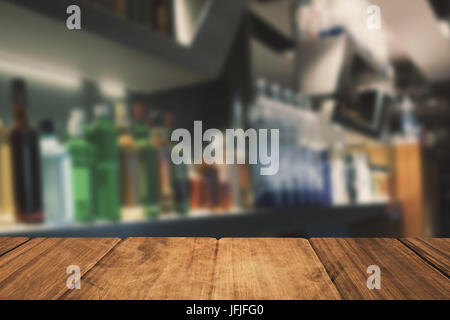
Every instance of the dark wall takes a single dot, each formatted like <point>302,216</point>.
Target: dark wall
<point>211,101</point>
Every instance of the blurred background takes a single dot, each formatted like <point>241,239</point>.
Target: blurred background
<point>363,113</point>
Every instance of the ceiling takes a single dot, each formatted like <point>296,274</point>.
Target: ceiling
<point>410,29</point>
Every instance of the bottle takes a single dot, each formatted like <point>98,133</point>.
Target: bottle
<point>300,158</point>
<point>287,133</point>
<point>211,187</point>
<point>195,188</point>
<point>128,160</point>
<point>338,168</point>
<point>82,155</point>
<point>178,175</point>
<point>103,135</point>
<point>225,192</point>
<point>56,176</point>
<point>160,139</point>
<point>274,122</point>
<point>161,17</point>
<point>6,182</point>
<point>240,173</point>
<point>363,179</point>
<point>312,177</point>
<point>26,167</point>
<point>148,162</point>
<point>257,119</point>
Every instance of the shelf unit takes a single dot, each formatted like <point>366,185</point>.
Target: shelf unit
<point>305,222</point>
<point>109,48</point>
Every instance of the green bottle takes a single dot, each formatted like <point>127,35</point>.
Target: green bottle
<point>82,155</point>
<point>149,173</point>
<point>103,135</point>
<point>160,139</point>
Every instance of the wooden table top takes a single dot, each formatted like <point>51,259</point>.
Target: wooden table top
<point>229,268</point>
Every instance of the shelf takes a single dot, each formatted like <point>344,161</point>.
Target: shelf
<point>307,222</point>
<point>109,48</point>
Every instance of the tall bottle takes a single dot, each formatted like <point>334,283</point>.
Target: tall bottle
<point>56,176</point>
<point>160,138</point>
<point>6,182</point>
<point>240,172</point>
<point>338,168</point>
<point>25,160</point>
<point>178,175</point>
<point>149,170</point>
<point>103,135</point>
<point>257,118</point>
<point>82,155</point>
<point>128,156</point>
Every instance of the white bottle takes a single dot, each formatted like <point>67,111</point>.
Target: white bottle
<point>275,121</point>
<point>363,178</point>
<point>337,168</point>
<point>56,177</point>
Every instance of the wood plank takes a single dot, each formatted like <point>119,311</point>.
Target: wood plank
<point>404,275</point>
<point>434,251</point>
<point>409,187</point>
<point>270,269</point>
<point>152,268</point>
<point>37,269</point>
<point>9,243</point>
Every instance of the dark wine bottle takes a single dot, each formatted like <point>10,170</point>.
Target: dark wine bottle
<point>25,160</point>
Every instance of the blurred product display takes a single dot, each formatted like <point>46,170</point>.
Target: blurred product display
<point>109,171</point>
<point>359,110</point>
<point>315,166</point>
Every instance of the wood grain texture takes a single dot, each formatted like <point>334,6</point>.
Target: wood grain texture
<point>404,275</point>
<point>152,268</point>
<point>408,186</point>
<point>270,269</point>
<point>434,251</point>
<point>37,269</point>
<point>9,243</point>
